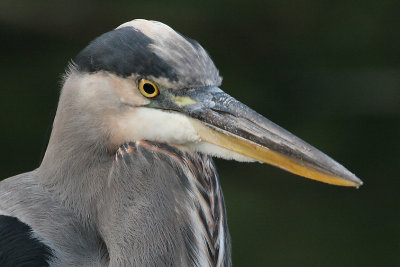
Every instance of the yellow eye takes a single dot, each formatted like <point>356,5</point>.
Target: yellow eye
<point>148,88</point>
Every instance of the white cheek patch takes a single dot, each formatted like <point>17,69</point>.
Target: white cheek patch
<point>154,125</point>
<point>165,127</point>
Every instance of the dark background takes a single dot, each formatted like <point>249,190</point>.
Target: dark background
<point>328,71</point>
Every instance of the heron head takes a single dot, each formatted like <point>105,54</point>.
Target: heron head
<point>144,81</point>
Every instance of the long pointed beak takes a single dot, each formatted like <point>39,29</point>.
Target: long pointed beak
<point>224,121</point>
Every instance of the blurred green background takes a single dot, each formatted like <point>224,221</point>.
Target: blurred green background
<point>328,71</point>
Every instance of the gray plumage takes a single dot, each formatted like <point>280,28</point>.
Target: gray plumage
<point>93,208</point>
<point>127,178</point>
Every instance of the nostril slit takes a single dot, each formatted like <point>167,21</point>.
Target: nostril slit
<point>223,112</point>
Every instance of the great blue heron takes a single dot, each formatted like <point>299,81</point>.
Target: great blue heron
<point>127,178</point>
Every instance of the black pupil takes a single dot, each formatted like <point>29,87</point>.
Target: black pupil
<point>149,88</point>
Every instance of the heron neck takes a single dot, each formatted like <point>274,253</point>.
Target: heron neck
<point>76,162</point>
<point>165,206</point>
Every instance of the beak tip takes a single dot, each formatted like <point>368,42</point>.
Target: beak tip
<point>359,182</point>
<point>346,177</point>
<point>354,180</point>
